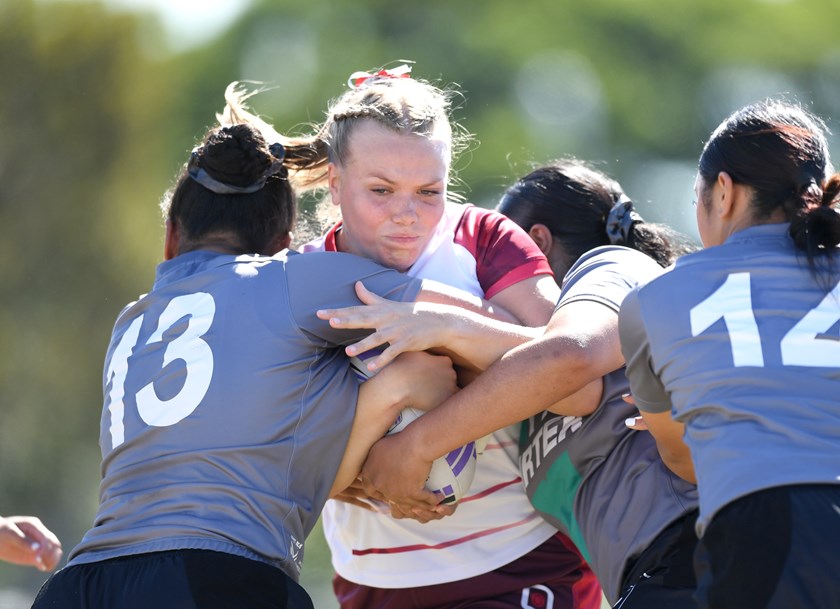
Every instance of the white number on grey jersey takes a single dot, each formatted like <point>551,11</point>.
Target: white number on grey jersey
<point>806,344</point>
<point>189,347</point>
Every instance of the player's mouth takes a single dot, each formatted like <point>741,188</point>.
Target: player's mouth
<point>403,240</point>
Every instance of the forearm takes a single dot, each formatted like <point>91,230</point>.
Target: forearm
<point>678,462</point>
<point>376,411</point>
<point>475,341</point>
<point>439,293</point>
<point>522,383</point>
<point>668,434</point>
<point>419,380</point>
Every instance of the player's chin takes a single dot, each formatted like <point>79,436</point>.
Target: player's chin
<point>400,260</point>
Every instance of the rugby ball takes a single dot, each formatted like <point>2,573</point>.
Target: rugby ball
<point>451,475</point>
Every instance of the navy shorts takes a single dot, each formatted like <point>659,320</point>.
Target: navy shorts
<point>552,576</point>
<point>773,549</point>
<point>177,579</point>
<point>662,577</point>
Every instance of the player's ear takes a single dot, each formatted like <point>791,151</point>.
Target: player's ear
<point>171,240</point>
<point>542,236</point>
<point>334,181</point>
<point>724,195</point>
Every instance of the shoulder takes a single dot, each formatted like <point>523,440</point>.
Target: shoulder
<point>472,217</point>
<point>326,262</point>
<point>486,232</point>
<point>616,255</point>
<point>606,275</point>
<point>617,261</point>
<point>684,274</point>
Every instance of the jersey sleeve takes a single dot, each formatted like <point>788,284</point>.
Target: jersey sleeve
<point>647,390</point>
<point>325,280</point>
<point>504,253</point>
<point>606,275</point>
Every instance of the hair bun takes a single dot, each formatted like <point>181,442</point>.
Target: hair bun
<point>236,155</point>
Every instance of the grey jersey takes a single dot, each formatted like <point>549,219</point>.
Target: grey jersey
<point>742,344</point>
<point>228,405</point>
<point>591,476</point>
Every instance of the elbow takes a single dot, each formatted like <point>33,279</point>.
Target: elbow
<point>581,361</point>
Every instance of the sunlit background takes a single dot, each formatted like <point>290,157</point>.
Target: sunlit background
<point>100,102</point>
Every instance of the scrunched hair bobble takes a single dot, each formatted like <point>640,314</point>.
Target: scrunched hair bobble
<point>196,171</point>
<point>621,219</point>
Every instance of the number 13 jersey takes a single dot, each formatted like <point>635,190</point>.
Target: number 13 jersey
<point>228,405</point>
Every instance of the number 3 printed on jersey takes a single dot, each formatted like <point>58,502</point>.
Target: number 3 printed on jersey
<point>806,344</point>
<point>188,346</point>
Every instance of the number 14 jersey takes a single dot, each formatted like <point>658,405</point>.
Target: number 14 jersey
<point>742,343</point>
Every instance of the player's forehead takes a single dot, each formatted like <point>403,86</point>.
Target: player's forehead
<point>376,151</point>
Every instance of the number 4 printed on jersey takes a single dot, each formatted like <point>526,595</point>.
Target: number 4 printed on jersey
<point>806,344</point>
<point>200,309</point>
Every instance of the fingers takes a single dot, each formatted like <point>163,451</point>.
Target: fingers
<point>25,540</point>
<point>422,499</point>
<point>49,557</point>
<point>636,423</point>
<point>380,361</point>
<point>348,317</point>
<point>49,552</point>
<point>357,502</point>
<point>366,296</point>
<point>14,545</point>
<point>421,514</point>
<point>355,495</point>
<point>371,341</point>
<point>358,316</point>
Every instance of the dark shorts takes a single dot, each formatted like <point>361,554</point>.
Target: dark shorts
<point>774,549</point>
<point>663,575</point>
<point>552,576</point>
<point>179,579</point>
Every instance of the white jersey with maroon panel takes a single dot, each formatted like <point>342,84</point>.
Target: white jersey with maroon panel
<point>482,252</point>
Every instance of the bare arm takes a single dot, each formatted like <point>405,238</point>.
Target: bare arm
<point>668,434</point>
<point>415,379</point>
<point>468,335</point>
<point>531,301</point>
<point>440,293</point>
<point>649,392</point>
<point>580,345</point>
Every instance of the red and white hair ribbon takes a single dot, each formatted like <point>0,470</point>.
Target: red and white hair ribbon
<point>357,79</point>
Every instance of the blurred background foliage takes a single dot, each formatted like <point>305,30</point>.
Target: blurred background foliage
<point>101,102</point>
